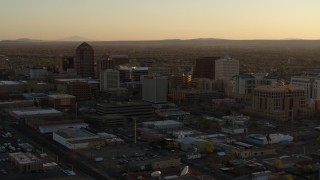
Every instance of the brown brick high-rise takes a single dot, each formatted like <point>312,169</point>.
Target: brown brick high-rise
<point>205,68</point>
<point>85,60</point>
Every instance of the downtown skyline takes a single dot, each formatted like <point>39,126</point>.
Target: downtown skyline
<point>156,20</point>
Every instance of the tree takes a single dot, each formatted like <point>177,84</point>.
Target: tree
<point>206,147</point>
<point>288,177</point>
<point>277,163</point>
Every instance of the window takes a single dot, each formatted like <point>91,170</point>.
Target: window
<point>276,104</point>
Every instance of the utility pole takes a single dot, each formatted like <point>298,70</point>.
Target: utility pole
<point>292,121</point>
<point>135,131</point>
<point>76,111</point>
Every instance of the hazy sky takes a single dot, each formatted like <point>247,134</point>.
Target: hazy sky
<point>160,19</point>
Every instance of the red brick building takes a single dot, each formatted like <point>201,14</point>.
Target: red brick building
<point>80,89</point>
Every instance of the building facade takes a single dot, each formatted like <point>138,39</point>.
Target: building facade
<point>243,85</point>
<point>62,100</point>
<point>38,73</point>
<point>74,138</point>
<point>67,62</point>
<point>205,68</point>
<point>155,89</point>
<point>84,60</point>
<point>12,87</point>
<point>307,83</point>
<point>80,89</point>
<point>280,102</point>
<point>109,79</point>
<point>226,68</point>
<point>26,162</point>
<point>180,81</point>
<point>141,110</point>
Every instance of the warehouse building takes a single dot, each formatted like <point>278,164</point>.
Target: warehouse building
<point>74,138</point>
<point>34,113</point>
<point>54,128</point>
<point>16,103</point>
<point>106,120</point>
<point>162,125</point>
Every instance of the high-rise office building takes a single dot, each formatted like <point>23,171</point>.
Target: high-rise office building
<point>205,68</point>
<point>109,79</point>
<point>111,62</point>
<point>226,68</point>
<point>84,60</point>
<point>154,88</point>
<point>120,60</point>
<point>180,81</point>
<point>105,62</point>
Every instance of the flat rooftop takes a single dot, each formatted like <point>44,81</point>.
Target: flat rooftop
<point>36,112</point>
<point>163,123</point>
<point>54,128</point>
<point>91,81</point>
<point>24,158</point>
<point>15,102</point>
<point>70,133</point>
<point>173,113</point>
<point>134,103</point>
<point>10,82</point>
<point>61,96</point>
<point>279,87</point>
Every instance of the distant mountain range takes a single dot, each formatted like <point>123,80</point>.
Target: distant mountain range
<point>71,38</point>
<point>74,38</point>
<point>179,42</point>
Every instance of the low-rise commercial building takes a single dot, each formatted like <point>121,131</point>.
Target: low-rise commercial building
<point>173,114</point>
<point>54,128</point>
<point>16,104</point>
<point>12,87</point>
<point>61,100</point>
<point>190,144</point>
<point>74,138</point>
<point>269,138</point>
<point>26,162</point>
<point>110,120</point>
<point>192,95</point>
<point>163,125</point>
<point>34,113</point>
<point>82,88</point>
<point>48,121</point>
<point>166,163</point>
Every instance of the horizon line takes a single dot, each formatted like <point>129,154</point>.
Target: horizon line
<point>217,39</point>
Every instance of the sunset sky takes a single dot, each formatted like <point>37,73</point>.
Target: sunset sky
<point>159,19</point>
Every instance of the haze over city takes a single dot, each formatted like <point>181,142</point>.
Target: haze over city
<point>155,20</point>
<point>160,89</point>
